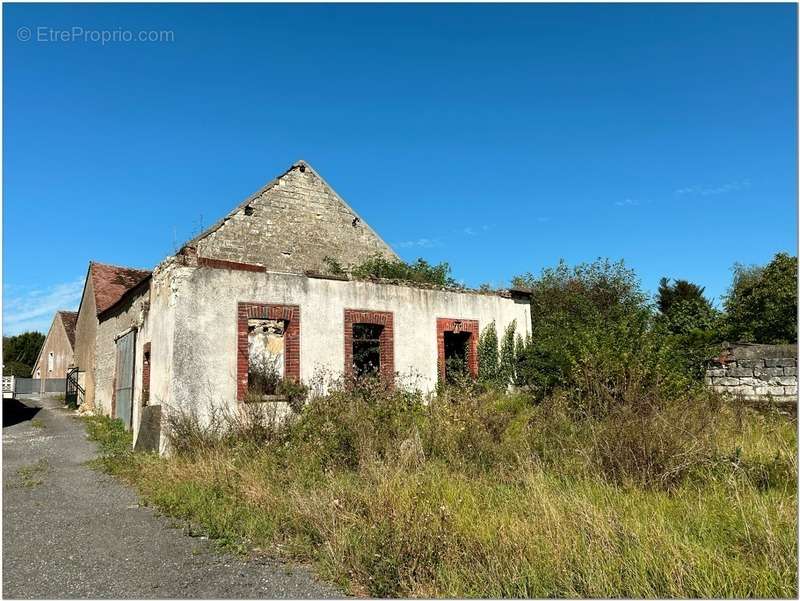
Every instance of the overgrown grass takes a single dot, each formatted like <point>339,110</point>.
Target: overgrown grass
<point>492,495</point>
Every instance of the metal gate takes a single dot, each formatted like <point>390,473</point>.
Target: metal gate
<point>124,382</point>
<point>74,392</point>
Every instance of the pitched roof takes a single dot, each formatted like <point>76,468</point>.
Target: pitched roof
<point>69,319</point>
<point>110,282</point>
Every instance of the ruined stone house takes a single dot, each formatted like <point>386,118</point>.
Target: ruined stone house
<point>251,291</point>
<point>57,352</point>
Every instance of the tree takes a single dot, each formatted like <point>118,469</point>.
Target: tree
<point>20,352</point>
<point>681,290</point>
<point>761,305</point>
<point>684,309</point>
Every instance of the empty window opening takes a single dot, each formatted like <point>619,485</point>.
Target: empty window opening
<point>366,349</point>
<point>266,354</point>
<point>248,210</point>
<point>456,353</point>
<point>50,361</point>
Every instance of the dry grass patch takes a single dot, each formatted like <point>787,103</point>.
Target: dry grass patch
<point>503,498</point>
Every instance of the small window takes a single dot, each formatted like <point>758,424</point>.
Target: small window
<point>50,362</point>
<point>456,349</point>
<point>366,349</point>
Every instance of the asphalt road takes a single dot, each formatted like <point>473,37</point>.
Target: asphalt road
<point>72,532</point>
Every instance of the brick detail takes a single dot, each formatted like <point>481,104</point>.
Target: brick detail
<point>448,324</point>
<point>188,256</point>
<point>386,340</point>
<point>291,350</point>
<point>233,265</point>
<point>146,374</point>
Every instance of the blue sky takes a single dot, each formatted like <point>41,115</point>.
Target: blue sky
<point>499,138</point>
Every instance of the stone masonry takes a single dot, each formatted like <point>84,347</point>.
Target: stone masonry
<point>291,225</point>
<point>756,372</point>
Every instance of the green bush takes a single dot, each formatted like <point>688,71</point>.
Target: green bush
<point>761,305</point>
<point>419,271</point>
<point>592,330</point>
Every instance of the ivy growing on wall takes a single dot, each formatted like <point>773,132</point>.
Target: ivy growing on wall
<point>507,371</point>
<point>487,355</point>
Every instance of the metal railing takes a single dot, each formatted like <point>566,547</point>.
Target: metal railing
<point>75,393</point>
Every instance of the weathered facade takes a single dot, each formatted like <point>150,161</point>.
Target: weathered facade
<point>319,315</point>
<point>247,293</point>
<point>57,352</point>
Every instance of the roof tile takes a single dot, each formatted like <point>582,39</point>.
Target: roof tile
<point>70,320</point>
<point>110,282</point>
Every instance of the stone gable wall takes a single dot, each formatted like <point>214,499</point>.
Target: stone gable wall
<point>756,372</point>
<point>292,227</point>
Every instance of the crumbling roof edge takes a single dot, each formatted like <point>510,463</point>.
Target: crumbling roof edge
<point>397,282</point>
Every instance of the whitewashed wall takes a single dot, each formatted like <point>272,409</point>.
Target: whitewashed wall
<point>204,351</point>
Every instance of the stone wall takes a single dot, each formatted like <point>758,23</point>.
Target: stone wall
<point>756,372</point>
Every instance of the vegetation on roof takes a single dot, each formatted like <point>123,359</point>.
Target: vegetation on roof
<point>379,266</point>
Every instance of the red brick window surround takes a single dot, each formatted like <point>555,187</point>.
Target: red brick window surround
<point>291,356</point>
<point>385,341</point>
<point>458,326</point>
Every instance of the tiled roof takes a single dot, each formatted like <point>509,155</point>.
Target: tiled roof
<point>70,320</point>
<point>110,282</point>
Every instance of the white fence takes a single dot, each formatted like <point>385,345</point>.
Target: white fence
<point>8,386</point>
